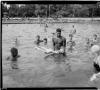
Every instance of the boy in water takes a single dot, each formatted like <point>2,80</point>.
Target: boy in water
<point>14,58</point>
<point>95,49</point>
<point>45,41</point>
<point>71,43</point>
<point>38,41</point>
<point>94,40</point>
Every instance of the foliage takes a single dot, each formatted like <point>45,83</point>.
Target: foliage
<point>52,10</point>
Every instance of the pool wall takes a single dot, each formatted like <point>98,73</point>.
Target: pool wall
<point>48,20</point>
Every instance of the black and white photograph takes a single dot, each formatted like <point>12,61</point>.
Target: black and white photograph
<point>50,44</point>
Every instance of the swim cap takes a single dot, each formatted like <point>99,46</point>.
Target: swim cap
<point>95,48</point>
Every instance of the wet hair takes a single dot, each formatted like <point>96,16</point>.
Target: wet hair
<point>45,39</point>
<point>14,51</point>
<point>95,35</point>
<point>38,36</point>
<point>58,30</point>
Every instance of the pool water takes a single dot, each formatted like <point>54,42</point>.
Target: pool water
<point>36,69</point>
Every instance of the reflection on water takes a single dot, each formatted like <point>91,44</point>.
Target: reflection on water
<point>39,69</point>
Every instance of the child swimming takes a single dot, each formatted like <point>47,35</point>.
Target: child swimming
<point>38,41</point>
<point>14,58</point>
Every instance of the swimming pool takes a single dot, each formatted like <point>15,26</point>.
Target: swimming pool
<point>35,70</point>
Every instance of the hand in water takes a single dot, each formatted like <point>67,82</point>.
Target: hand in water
<point>93,77</point>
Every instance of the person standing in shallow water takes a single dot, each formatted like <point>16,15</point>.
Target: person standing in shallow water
<point>71,43</point>
<point>14,58</point>
<point>73,31</point>
<point>59,42</point>
<point>59,46</point>
<point>87,45</point>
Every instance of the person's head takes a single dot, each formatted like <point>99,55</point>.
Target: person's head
<point>95,36</point>
<point>14,52</point>
<point>58,31</point>
<point>38,37</point>
<point>95,49</point>
<point>45,40</point>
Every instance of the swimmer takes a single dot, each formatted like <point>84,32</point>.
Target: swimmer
<point>45,41</point>
<point>88,44</point>
<point>38,41</point>
<point>45,27</point>
<point>94,40</point>
<point>16,43</point>
<point>59,42</point>
<point>71,44</point>
<point>73,31</point>
<point>95,49</point>
<point>14,58</point>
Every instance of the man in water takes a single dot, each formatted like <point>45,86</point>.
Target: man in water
<point>59,42</point>
<point>45,41</point>
<point>58,54</point>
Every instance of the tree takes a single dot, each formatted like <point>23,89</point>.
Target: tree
<point>13,10</point>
